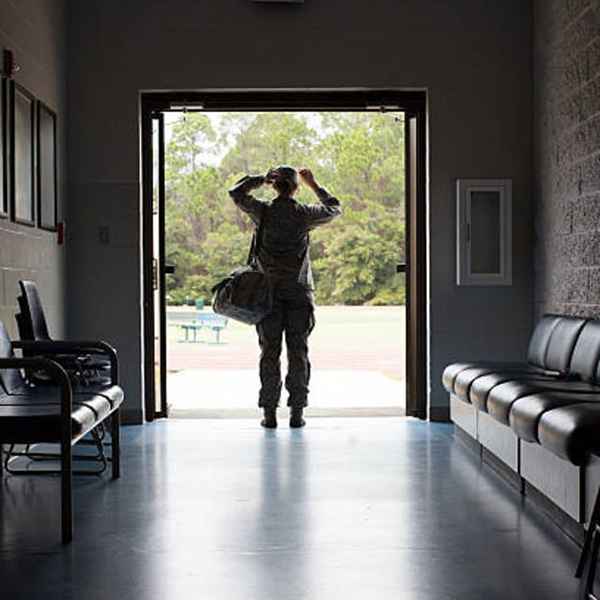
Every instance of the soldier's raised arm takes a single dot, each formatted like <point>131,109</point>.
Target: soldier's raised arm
<point>244,200</point>
<point>319,214</point>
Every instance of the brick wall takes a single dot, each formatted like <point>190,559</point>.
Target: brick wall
<point>567,156</point>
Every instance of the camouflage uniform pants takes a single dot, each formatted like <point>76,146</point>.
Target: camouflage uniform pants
<point>293,314</point>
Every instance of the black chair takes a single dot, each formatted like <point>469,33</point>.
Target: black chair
<point>53,412</point>
<point>84,369</point>
<point>90,371</point>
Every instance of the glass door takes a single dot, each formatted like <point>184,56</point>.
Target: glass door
<point>158,268</point>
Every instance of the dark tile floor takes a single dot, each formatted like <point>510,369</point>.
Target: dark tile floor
<point>347,508</point>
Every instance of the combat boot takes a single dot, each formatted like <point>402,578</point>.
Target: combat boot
<point>270,418</point>
<point>296,420</point>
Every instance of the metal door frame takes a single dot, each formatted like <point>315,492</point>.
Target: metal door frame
<point>413,103</point>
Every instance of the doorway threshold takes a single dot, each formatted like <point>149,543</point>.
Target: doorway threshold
<point>253,413</point>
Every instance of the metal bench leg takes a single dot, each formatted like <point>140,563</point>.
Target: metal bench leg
<point>97,435</point>
<point>594,519</point>
<point>37,457</point>
<point>589,568</point>
<point>115,427</point>
<point>66,479</point>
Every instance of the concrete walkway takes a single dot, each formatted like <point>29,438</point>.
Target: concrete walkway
<point>234,393</point>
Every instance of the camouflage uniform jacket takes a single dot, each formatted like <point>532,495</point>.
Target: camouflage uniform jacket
<point>284,248</point>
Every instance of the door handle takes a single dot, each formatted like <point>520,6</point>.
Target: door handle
<point>154,274</point>
<point>169,269</point>
<point>401,268</point>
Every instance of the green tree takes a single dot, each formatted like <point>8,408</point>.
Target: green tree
<point>358,156</point>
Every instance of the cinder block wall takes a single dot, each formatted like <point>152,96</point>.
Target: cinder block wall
<point>36,32</point>
<point>567,156</point>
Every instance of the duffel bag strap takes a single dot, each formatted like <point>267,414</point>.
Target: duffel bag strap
<point>256,240</point>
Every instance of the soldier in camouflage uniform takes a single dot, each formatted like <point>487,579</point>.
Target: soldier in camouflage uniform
<point>283,255</point>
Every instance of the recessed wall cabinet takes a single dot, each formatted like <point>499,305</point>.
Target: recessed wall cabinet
<point>484,232</point>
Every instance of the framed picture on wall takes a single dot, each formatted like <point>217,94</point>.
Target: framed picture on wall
<point>23,155</point>
<point>47,191</point>
<point>3,153</point>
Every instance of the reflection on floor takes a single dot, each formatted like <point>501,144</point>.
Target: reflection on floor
<point>347,508</point>
<point>234,393</point>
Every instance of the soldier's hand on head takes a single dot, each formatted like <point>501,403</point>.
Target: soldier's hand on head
<point>308,178</point>
<point>271,176</point>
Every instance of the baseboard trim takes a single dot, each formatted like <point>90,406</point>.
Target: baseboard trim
<point>439,414</point>
<point>566,523</point>
<point>469,441</point>
<point>132,416</point>
<point>501,469</point>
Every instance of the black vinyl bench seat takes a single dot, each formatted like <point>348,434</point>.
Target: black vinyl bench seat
<point>552,400</point>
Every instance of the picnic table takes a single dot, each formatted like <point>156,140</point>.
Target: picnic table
<point>215,323</point>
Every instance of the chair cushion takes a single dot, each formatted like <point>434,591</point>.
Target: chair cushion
<point>551,348</point>
<point>465,379</point>
<point>113,393</point>
<point>35,416</point>
<point>585,362</point>
<point>482,386</point>
<point>562,343</point>
<point>502,396</point>
<point>540,338</point>
<point>526,412</point>
<point>571,432</point>
<point>33,311</point>
<point>451,372</point>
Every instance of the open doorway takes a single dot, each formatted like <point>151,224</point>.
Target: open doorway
<point>206,367</point>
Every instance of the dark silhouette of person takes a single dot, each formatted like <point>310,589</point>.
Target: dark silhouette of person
<point>283,255</point>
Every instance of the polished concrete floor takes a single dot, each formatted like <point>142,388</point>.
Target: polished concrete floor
<point>386,508</point>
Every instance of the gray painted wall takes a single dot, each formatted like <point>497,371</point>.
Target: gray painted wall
<point>36,32</point>
<point>567,157</point>
<point>471,55</point>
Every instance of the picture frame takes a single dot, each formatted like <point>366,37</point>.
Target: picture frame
<point>47,184</point>
<point>4,189</point>
<point>22,156</point>
<point>484,232</point>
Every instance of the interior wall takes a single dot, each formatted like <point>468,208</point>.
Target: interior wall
<point>36,32</point>
<point>473,56</point>
<point>567,157</point>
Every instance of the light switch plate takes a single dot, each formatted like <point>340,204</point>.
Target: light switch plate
<point>104,234</point>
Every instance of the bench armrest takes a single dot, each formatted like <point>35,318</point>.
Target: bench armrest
<point>57,374</point>
<point>72,347</point>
